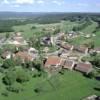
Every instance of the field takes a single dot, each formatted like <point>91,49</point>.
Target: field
<point>70,86</point>
<point>64,26</point>
<point>28,32</point>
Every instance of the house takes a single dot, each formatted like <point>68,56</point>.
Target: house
<point>92,97</point>
<point>53,63</point>
<point>17,39</point>
<point>56,39</point>
<point>84,67</point>
<point>87,36</point>
<point>33,52</point>
<point>94,35</point>
<point>24,56</point>
<point>97,50</point>
<point>69,64</point>
<point>46,49</point>
<point>67,46</point>
<point>73,57</point>
<point>60,36</point>
<point>6,55</point>
<point>72,34</point>
<point>46,40</point>
<point>81,49</point>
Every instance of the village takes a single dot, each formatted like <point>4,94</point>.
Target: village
<point>66,56</point>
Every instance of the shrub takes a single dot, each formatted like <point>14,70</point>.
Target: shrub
<point>14,88</point>
<point>9,78</point>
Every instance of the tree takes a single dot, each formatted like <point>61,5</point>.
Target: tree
<point>33,27</point>
<point>7,35</point>
<point>96,60</point>
<point>15,88</point>
<point>89,43</point>
<point>22,76</point>
<point>9,63</point>
<point>37,65</point>
<point>9,78</point>
<point>57,30</point>
<point>1,51</point>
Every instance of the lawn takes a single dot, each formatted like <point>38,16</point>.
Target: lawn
<point>70,86</point>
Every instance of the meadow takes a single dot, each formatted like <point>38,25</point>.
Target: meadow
<point>70,86</point>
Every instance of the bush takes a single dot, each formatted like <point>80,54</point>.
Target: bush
<point>14,88</point>
<point>22,76</point>
<point>9,63</point>
<point>9,78</point>
<point>4,94</point>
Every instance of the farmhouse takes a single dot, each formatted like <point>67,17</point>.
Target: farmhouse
<point>54,63</point>
<point>84,67</point>
<point>46,40</point>
<point>17,39</point>
<point>73,57</point>
<point>6,55</point>
<point>97,50</point>
<point>24,56</point>
<point>33,52</point>
<point>67,46</point>
<point>81,49</point>
<point>72,34</point>
<point>69,64</point>
<point>92,97</point>
<point>60,36</point>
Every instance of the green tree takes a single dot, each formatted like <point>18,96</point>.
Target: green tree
<point>9,78</point>
<point>89,43</point>
<point>7,35</point>
<point>96,61</point>
<point>57,30</point>
<point>9,63</point>
<point>22,76</point>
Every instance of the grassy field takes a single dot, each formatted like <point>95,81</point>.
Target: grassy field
<point>28,32</point>
<point>88,30</point>
<point>70,86</point>
<point>64,26</point>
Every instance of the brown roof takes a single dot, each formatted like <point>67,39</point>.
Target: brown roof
<point>68,64</point>
<point>5,54</point>
<point>19,39</point>
<point>83,67</point>
<point>66,46</point>
<point>97,49</point>
<point>24,56</point>
<point>53,60</point>
<point>80,48</point>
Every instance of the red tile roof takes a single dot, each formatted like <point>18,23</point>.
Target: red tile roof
<point>66,46</point>
<point>68,64</point>
<point>97,49</point>
<point>80,48</point>
<point>24,56</point>
<point>83,67</point>
<point>53,60</point>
